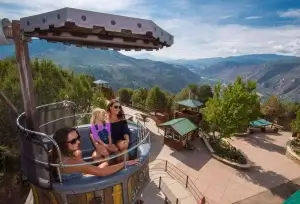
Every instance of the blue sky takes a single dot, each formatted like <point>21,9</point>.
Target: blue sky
<point>202,28</point>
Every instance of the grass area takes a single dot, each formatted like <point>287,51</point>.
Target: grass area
<point>226,151</point>
<point>295,145</point>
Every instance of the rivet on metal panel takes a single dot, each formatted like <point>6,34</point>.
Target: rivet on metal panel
<point>83,18</point>
<point>149,33</point>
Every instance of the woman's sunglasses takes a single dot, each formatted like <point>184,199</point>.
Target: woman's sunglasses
<point>73,141</point>
<point>117,107</point>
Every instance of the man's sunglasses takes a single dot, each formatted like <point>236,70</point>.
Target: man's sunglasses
<point>73,141</point>
<point>117,107</point>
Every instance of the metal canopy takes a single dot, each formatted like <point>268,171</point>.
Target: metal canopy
<point>93,29</point>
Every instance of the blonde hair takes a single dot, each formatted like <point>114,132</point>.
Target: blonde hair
<point>98,113</point>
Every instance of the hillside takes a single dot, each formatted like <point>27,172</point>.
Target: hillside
<point>112,66</point>
<point>275,74</point>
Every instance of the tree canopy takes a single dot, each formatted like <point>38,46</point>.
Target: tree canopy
<point>296,123</point>
<point>139,98</point>
<point>273,108</point>
<point>125,95</point>
<point>193,91</point>
<point>232,106</point>
<point>157,100</point>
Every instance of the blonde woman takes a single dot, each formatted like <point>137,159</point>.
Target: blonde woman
<point>100,134</point>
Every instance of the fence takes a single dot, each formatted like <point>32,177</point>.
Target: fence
<point>178,175</point>
<point>170,198</point>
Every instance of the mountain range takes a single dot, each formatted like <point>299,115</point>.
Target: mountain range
<point>109,65</point>
<point>275,74</point>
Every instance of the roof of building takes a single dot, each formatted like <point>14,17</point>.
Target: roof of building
<point>181,125</point>
<point>100,82</point>
<point>260,123</point>
<point>190,103</point>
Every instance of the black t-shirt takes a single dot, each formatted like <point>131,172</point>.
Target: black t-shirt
<point>118,130</point>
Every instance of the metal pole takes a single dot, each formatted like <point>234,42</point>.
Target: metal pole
<point>166,166</point>
<point>26,81</point>
<point>176,200</point>
<point>187,181</point>
<point>159,184</point>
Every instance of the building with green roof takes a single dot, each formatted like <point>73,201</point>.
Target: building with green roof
<point>178,132</point>
<point>190,109</point>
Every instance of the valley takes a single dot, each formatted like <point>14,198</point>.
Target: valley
<point>275,74</point>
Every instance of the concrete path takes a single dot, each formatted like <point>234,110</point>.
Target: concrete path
<point>170,188</point>
<point>222,184</point>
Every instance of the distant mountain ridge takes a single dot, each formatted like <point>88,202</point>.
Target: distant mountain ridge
<point>112,66</point>
<point>275,74</point>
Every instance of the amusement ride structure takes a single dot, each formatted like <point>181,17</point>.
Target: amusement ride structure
<point>37,124</point>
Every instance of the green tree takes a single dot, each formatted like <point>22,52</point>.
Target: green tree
<point>204,93</point>
<point>192,91</point>
<point>139,97</point>
<point>296,123</point>
<point>125,95</point>
<point>290,109</point>
<point>157,100</point>
<point>273,108</point>
<point>170,102</point>
<point>232,107</point>
<point>183,94</point>
<point>98,100</point>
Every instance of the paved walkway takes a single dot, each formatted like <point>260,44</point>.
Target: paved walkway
<point>170,188</point>
<point>222,184</point>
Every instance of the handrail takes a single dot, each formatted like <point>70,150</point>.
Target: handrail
<point>188,183</point>
<point>163,187</point>
<point>144,138</point>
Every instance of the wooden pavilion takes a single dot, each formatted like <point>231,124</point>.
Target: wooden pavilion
<point>189,109</point>
<point>178,132</point>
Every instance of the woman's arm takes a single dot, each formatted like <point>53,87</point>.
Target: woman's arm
<point>96,171</point>
<point>126,131</point>
<point>109,139</point>
<point>127,138</point>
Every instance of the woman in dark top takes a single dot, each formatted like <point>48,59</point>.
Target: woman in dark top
<point>119,128</point>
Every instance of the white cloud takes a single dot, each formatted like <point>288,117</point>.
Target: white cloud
<point>291,13</point>
<point>32,7</point>
<point>290,47</point>
<point>253,17</point>
<point>195,37</point>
